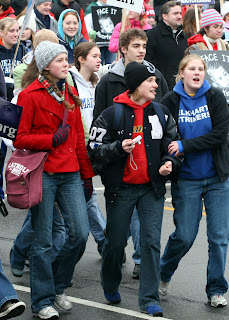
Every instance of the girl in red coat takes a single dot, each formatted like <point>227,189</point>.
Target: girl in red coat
<point>44,103</point>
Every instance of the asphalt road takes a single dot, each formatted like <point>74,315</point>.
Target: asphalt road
<point>186,299</point>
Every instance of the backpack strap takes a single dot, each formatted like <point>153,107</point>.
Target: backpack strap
<point>160,114</point>
<point>118,110</point>
<point>74,81</point>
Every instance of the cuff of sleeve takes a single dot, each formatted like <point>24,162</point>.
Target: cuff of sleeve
<point>180,146</point>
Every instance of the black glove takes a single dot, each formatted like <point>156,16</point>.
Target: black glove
<point>61,135</point>
<point>88,189</point>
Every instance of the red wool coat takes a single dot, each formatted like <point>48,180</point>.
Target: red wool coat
<point>41,117</point>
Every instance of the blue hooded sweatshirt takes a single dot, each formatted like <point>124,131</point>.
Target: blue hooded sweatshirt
<point>69,43</point>
<point>193,121</point>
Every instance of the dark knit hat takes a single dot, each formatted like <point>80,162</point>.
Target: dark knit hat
<point>136,73</point>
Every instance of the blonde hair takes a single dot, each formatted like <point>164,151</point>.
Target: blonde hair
<point>184,62</point>
<point>136,95</point>
<point>7,21</point>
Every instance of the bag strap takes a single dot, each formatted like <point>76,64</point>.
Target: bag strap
<point>160,114</point>
<point>65,118</point>
<point>73,79</point>
<point>118,110</point>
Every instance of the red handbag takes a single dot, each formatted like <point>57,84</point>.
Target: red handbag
<point>24,178</point>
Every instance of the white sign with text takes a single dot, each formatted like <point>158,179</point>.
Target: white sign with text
<point>133,5</point>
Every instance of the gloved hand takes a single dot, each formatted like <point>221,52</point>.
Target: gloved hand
<point>88,189</point>
<point>92,34</point>
<point>61,135</point>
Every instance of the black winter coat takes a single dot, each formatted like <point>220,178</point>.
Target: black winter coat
<point>111,85</point>
<point>59,6</point>
<point>109,159</point>
<point>165,50</point>
<point>216,140</point>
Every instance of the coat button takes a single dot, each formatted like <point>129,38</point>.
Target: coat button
<point>70,150</point>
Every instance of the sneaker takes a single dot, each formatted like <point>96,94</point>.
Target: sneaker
<point>47,313</point>
<point>163,288</point>
<point>62,302</point>
<point>154,311</point>
<point>12,309</point>
<point>136,271</point>
<point>217,301</point>
<point>113,297</point>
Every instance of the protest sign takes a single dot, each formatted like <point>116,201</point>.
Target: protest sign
<point>104,20</point>
<point>10,115</point>
<point>189,2</point>
<point>134,5</point>
<point>217,69</point>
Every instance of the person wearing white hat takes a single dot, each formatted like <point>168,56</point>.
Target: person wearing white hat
<point>225,16</point>
<point>29,32</point>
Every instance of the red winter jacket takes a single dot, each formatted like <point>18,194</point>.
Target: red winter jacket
<point>8,13</point>
<point>41,117</point>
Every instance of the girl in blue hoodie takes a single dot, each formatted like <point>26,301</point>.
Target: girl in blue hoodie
<point>202,117</point>
<point>69,31</point>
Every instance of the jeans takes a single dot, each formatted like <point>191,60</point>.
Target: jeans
<point>135,233</point>
<point>188,199</point>
<point>107,57</point>
<point>47,278</point>
<point>7,291</point>
<point>97,222</point>
<point>22,244</point>
<point>120,206</point>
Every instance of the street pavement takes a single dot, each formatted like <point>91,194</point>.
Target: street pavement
<point>186,299</point>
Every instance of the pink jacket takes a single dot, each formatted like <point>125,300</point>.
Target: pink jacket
<point>113,45</point>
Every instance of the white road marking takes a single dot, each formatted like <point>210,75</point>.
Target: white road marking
<point>97,305</point>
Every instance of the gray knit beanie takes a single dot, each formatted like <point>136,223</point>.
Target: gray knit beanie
<point>45,52</point>
<point>37,2</point>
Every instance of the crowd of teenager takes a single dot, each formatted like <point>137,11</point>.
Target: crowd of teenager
<point>138,121</point>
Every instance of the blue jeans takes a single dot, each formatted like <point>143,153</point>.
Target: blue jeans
<point>97,222</point>
<point>107,57</point>
<point>7,291</point>
<point>22,244</point>
<point>135,233</point>
<point>47,278</point>
<point>120,206</point>
<point>188,199</point>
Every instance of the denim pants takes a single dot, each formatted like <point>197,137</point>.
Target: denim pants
<point>22,244</point>
<point>97,222</point>
<point>47,278</point>
<point>7,291</point>
<point>120,206</point>
<point>188,197</point>
<point>107,57</point>
<point>135,233</point>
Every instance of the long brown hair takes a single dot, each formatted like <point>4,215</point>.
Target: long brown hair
<point>82,50</point>
<point>189,22</point>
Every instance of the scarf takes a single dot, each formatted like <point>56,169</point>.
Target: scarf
<point>50,90</point>
<point>209,41</point>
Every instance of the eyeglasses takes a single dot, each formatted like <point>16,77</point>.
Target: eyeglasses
<point>217,26</point>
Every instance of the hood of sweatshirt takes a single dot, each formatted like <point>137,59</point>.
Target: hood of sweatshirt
<point>124,98</point>
<point>196,38</point>
<point>71,41</point>
<point>118,68</point>
<point>179,88</point>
